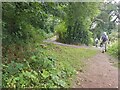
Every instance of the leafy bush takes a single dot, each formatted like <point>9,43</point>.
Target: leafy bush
<point>60,29</point>
<point>113,50</point>
<point>38,71</point>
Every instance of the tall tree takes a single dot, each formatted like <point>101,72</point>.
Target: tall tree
<point>78,19</point>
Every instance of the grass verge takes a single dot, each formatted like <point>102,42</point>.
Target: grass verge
<point>42,66</point>
<point>69,58</point>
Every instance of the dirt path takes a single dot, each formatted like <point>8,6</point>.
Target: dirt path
<point>53,40</point>
<point>100,73</point>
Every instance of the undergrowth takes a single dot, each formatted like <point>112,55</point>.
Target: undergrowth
<point>113,50</point>
<point>42,66</point>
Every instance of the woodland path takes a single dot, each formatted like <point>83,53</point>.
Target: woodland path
<point>100,71</point>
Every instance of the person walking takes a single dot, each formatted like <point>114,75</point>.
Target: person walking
<point>96,42</point>
<point>104,40</point>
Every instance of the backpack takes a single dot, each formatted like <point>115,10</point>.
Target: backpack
<point>104,38</point>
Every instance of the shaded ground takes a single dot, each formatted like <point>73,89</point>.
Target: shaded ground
<point>99,73</point>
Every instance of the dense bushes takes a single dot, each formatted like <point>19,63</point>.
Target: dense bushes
<point>113,50</point>
<point>23,61</point>
<point>60,30</point>
<point>45,66</point>
<point>25,64</point>
<point>78,19</point>
<point>22,20</point>
<point>37,70</point>
<point>74,36</point>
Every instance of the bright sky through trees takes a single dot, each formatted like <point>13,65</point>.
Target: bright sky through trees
<point>113,1</point>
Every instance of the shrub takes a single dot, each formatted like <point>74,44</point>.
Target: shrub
<point>60,29</point>
<point>39,70</point>
<point>113,50</point>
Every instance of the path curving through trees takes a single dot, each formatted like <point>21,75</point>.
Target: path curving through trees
<point>100,71</point>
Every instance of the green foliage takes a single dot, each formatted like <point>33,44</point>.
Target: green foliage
<point>39,70</point>
<point>51,67</point>
<point>24,21</point>
<point>78,19</point>
<point>25,25</point>
<point>60,29</point>
<point>105,21</point>
<point>113,36</point>
<point>18,23</point>
<point>113,50</point>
